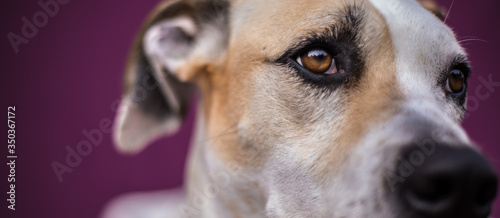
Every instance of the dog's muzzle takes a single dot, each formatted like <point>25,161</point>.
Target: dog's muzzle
<point>444,181</point>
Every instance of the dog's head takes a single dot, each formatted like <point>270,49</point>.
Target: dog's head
<point>343,108</point>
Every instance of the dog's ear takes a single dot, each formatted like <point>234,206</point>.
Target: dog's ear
<point>434,8</point>
<point>177,43</point>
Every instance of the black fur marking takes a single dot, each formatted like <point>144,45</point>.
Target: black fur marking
<point>148,96</point>
<point>146,93</point>
<point>341,40</point>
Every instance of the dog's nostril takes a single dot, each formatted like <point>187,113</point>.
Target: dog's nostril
<point>435,189</point>
<point>449,182</point>
<point>430,194</point>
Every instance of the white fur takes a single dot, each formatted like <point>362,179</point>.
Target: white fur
<point>423,46</point>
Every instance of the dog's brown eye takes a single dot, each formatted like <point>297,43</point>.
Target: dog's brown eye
<point>318,61</point>
<point>455,82</point>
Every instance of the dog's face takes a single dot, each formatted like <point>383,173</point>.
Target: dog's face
<point>335,108</point>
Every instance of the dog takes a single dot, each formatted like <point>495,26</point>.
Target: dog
<point>325,108</point>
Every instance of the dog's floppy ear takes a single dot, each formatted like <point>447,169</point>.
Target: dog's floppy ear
<point>177,43</point>
<point>434,8</point>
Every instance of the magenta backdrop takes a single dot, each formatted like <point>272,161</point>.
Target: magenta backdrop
<point>65,79</point>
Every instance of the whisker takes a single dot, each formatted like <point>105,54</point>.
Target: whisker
<point>467,37</point>
<point>449,10</point>
<point>467,40</point>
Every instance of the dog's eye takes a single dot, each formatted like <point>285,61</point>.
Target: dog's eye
<point>455,82</point>
<point>318,61</point>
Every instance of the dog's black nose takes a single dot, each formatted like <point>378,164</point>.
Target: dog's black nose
<point>445,181</point>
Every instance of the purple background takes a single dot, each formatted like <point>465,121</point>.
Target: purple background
<point>67,77</point>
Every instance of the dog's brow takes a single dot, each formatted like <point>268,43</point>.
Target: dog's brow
<point>345,22</point>
<point>460,62</point>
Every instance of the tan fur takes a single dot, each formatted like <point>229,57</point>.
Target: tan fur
<point>230,90</point>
